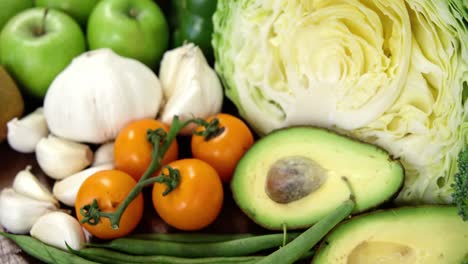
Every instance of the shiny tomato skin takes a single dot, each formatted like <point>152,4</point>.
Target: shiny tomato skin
<point>223,151</point>
<point>110,188</point>
<point>197,200</point>
<point>132,151</point>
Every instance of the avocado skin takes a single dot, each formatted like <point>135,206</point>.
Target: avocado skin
<point>385,202</point>
<point>432,219</point>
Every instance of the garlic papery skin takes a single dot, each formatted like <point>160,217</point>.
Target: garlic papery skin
<point>58,228</point>
<point>97,94</point>
<point>191,87</point>
<point>104,154</point>
<point>19,212</point>
<point>60,158</point>
<point>26,183</point>
<point>24,134</point>
<point>67,189</point>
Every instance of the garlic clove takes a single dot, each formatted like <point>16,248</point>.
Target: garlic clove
<point>24,134</point>
<point>27,184</point>
<point>191,87</point>
<point>104,154</point>
<point>60,158</point>
<point>88,236</point>
<point>170,68</point>
<point>18,212</point>
<point>56,228</point>
<point>66,189</point>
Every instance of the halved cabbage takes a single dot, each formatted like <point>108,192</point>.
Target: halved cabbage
<point>389,72</point>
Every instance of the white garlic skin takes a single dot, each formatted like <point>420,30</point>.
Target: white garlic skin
<point>56,228</point>
<point>97,94</point>
<point>66,190</point>
<point>18,213</point>
<point>60,158</point>
<point>104,154</point>
<point>24,134</point>
<point>191,87</point>
<point>27,184</point>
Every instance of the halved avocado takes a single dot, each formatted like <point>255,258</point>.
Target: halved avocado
<point>295,176</point>
<point>407,235</point>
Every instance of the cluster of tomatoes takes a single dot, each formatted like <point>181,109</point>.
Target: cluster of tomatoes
<point>194,203</point>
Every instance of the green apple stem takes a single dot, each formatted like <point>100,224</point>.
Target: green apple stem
<point>133,13</point>
<point>40,31</point>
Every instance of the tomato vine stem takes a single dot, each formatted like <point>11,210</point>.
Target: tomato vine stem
<point>161,141</point>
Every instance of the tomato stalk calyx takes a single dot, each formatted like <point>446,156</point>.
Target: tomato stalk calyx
<point>212,129</point>
<point>161,141</point>
<point>91,213</point>
<point>171,180</point>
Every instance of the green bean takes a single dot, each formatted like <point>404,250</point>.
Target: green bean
<point>292,251</point>
<point>43,252</point>
<point>190,237</point>
<point>232,248</point>
<point>112,257</point>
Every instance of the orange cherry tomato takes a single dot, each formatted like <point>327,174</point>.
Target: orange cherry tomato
<point>196,201</point>
<point>132,151</point>
<point>110,188</point>
<point>224,150</point>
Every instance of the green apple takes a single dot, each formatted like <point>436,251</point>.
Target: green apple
<point>9,8</point>
<point>78,9</point>
<point>37,44</point>
<point>132,28</point>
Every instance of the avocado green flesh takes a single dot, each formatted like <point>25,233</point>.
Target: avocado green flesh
<point>373,175</point>
<point>407,235</point>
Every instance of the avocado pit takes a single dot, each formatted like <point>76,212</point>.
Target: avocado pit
<point>292,178</point>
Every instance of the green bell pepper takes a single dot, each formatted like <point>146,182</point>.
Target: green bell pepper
<point>192,22</point>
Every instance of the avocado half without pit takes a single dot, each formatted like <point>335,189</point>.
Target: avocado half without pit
<point>295,176</point>
<point>407,235</point>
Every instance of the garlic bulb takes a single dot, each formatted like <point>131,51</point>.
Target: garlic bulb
<point>24,134</point>
<point>26,183</point>
<point>18,212</point>
<point>56,228</point>
<point>104,154</point>
<point>97,94</point>
<point>191,87</point>
<point>66,189</point>
<point>60,158</point>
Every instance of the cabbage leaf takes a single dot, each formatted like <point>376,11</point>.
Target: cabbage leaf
<point>389,72</point>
